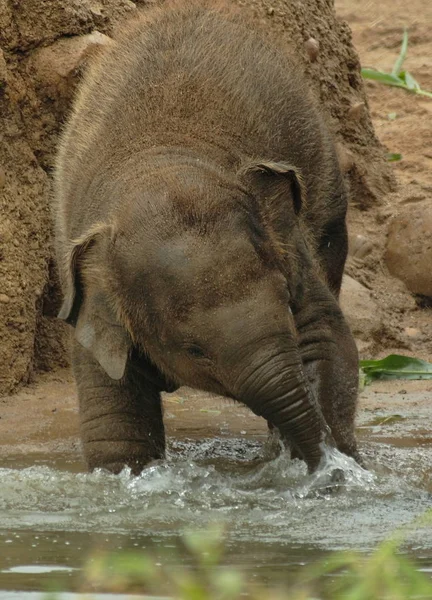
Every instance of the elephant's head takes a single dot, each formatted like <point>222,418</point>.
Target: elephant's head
<point>199,270</point>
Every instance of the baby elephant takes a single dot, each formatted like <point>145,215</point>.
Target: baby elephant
<point>201,239</point>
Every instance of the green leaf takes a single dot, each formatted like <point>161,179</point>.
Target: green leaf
<point>412,84</point>
<point>402,54</point>
<point>393,156</point>
<point>392,116</point>
<point>423,93</point>
<point>408,80</point>
<point>397,77</point>
<point>385,78</point>
<point>396,366</point>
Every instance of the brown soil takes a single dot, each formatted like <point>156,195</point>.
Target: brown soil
<point>377,29</point>
<point>31,111</point>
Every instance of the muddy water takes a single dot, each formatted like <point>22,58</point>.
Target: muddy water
<point>53,515</point>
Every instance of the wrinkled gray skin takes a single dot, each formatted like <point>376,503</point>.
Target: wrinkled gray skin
<point>201,239</point>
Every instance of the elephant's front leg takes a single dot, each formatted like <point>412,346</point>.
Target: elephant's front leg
<point>121,421</point>
<point>330,362</point>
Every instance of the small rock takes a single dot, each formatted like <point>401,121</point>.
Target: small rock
<point>356,111</point>
<point>270,10</point>
<point>96,11</point>
<point>345,157</point>
<point>56,66</point>
<point>359,246</point>
<point>409,248</point>
<point>4,299</point>
<point>360,309</point>
<point>312,47</point>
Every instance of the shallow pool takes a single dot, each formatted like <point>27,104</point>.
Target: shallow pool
<point>52,516</point>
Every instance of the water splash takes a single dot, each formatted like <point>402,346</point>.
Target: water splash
<point>225,480</point>
<point>337,473</point>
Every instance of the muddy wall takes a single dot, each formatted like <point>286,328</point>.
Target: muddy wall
<point>44,45</point>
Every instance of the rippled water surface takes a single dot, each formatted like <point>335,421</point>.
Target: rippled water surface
<point>52,516</point>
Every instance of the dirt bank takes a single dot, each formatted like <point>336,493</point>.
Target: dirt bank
<point>403,124</point>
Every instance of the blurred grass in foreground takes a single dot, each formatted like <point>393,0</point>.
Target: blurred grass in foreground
<point>385,574</point>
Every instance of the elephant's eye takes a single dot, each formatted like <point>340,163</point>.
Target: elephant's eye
<point>195,351</point>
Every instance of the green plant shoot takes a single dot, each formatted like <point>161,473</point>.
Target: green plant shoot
<point>397,77</point>
<point>394,366</point>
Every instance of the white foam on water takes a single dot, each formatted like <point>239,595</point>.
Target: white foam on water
<point>227,481</point>
<point>338,473</point>
<point>37,569</point>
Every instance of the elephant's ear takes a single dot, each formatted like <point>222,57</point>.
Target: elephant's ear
<point>98,331</point>
<point>87,308</point>
<point>277,183</point>
<point>70,270</point>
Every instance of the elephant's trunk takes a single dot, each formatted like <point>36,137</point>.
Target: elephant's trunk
<point>272,383</point>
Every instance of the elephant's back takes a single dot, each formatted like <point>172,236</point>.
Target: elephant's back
<point>178,76</point>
